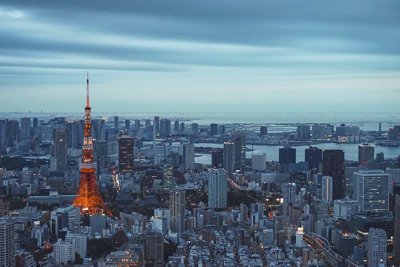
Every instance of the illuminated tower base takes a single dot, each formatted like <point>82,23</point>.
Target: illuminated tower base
<point>88,198</point>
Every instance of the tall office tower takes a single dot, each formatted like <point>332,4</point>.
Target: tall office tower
<point>396,245</point>
<point>313,157</point>
<point>287,155</point>
<point>73,134</point>
<point>289,194</point>
<point>217,158</point>
<point>156,123</point>
<point>125,153</point>
<point>137,125</point>
<point>326,189</point>
<point>239,141</point>
<point>195,128</point>
<point>88,198</point>
<point>377,247</point>
<point>60,148</point>
<point>35,122</point>
<point>98,129</point>
<point>303,132</point>
<point>182,128</point>
<point>371,190</point>
<point>217,189</point>
<point>100,153</point>
<point>127,125</point>
<point>176,127</point>
<point>79,241</point>
<point>116,124</point>
<point>177,210</point>
<point>221,129</point>
<point>12,132</point>
<point>3,134</point>
<point>366,154</point>
<point>25,129</point>
<point>229,157</point>
<point>58,221</point>
<point>186,151</point>
<point>213,129</point>
<point>165,127</point>
<point>154,249</point>
<point>333,165</point>
<point>7,244</point>
<point>263,130</point>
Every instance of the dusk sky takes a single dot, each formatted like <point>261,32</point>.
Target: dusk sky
<point>200,56</point>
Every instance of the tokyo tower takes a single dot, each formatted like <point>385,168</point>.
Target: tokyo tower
<point>88,198</point>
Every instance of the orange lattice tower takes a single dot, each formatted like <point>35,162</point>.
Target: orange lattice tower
<point>88,198</point>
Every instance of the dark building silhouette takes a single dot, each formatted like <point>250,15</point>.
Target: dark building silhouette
<point>125,153</point>
<point>366,154</point>
<point>287,155</point>
<point>239,142</point>
<point>213,129</point>
<point>154,249</point>
<point>263,130</point>
<point>313,157</point>
<point>217,158</point>
<point>333,165</point>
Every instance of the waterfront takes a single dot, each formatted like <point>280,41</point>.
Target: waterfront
<point>272,152</point>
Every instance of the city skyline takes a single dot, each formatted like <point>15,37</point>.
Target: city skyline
<point>171,56</point>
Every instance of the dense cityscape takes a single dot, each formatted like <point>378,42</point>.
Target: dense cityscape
<point>128,192</point>
<point>186,133</point>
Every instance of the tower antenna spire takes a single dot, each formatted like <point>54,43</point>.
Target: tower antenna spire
<point>87,89</point>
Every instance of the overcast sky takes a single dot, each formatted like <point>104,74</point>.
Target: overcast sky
<point>200,56</point>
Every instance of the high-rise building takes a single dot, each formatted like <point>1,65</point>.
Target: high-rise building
<point>100,153</point>
<point>289,194</point>
<point>79,241</point>
<point>221,129</point>
<point>217,189</point>
<point>154,249</point>
<point>313,157</point>
<point>287,155</point>
<point>396,245</point>
<point>116,124</point>
<point>60,148</point>
<point>217,158</point>
<point>7,244</point>
<point>125,153</point>
<point>177,210</point>
<point>229,157</point>
<point>182,128</point>
<point>326,189</point>
<point>333,165</point>
<point>98,129</point>
<point>377,247</point>
<point>156,124</point>
<point>303,132</point>
<point>58,222</point>
<point>213,129</point>
<point>239,141</point>
<point>371,190</point>
<point>187,153</point>
<point>366,154</point>
<point>127,125</point>
<point>165,127</point>
<point>176,127</point>
<point>263,130</point>
<point>137,125</point>
<point>88,198</point>
<point>195,128</point>
<point>25,129</point>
